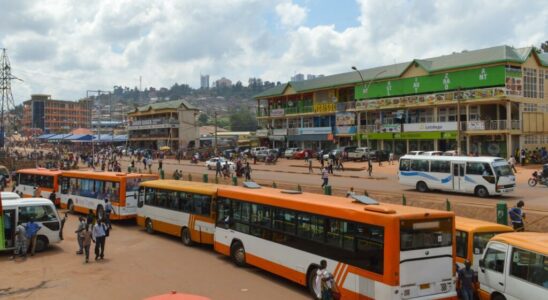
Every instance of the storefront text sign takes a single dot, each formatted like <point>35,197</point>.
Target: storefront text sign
<point>438,126</point>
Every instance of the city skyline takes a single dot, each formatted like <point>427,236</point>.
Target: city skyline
<point>49,44</point>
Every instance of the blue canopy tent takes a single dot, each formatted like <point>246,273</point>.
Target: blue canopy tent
<point>80,137</point>
<point>120,138</point>
<point>58,137</point>
<point>45,136</point>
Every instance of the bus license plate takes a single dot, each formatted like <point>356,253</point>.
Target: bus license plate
<point>425,286</point>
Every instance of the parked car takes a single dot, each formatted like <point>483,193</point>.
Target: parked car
<point>211,164</point>
<point>301,154</point>
<point>450,153</point>
<point>335,152</point>
<point>257,149</point>
<point>289,152</point>
<point>361,153</point>
<point>432,153</point>
<point>263,154</point>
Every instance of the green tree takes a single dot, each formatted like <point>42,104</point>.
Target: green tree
<point>202,119</point>
<point>243,120</point>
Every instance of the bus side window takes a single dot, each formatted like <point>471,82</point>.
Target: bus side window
<point>405,164</point>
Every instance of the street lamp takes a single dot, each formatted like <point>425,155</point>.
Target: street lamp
<point>366,88</point>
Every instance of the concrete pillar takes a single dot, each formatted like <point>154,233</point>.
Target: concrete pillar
<point>358,129</point>
<point>436,142</point>
<point>435,114</point>
<point>467,112</point>
<point>467,145</point>
<point>407,146</point>
<point>498,111</point>
<point>381,145</point>
<point>509,115</point>
<point>509,151</point>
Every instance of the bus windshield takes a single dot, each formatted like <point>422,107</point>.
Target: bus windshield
<point>422,234</point>
<point>480,241</point>
<point>503,170</point>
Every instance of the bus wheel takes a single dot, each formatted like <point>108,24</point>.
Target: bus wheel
<point>100,212</point>
<point>185,237</point>
<point>70,206</point>
<point>237,252</point>
<point>148,226</point>
<point>498,297</point>
<point>311,281</point>
<point>41,243</point>
<point>422,187</point>
<point>482,192</point>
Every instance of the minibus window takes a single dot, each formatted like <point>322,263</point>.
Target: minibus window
<point>462,244</point>
<point>529,266</point>
<point>480,241</point>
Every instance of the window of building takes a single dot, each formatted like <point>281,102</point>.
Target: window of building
<point>530,107</point>
<point>530,83</point>
<point>308,122</point>
<point>529,266</point>
<point>531,140</point>
<point>447,114</point>
<point>541,83</point>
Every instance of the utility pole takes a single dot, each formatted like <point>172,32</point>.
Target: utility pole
<point>458,121</point>
<point>7,103</point>
<point>98,92</point>
<point>215,145</point>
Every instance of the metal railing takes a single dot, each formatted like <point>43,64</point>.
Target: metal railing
<point>491,125</point>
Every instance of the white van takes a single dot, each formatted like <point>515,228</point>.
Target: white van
<point>515,266</point>
<point>19,211</point>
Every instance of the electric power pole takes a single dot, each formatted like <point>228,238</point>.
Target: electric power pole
<point>215,145</point>
<point>7,103</point>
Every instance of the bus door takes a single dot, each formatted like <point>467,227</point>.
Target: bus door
<point>9,227</point>
<point>458,176</point>
<point>491,274</point>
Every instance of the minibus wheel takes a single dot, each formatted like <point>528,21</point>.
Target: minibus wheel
<point>422,187</point>
<point>498,297</point>
<point>41,243</point>
<point>185,237</point>
<point>238,253</point>
<point>482,192</point>
<point>148,226</point>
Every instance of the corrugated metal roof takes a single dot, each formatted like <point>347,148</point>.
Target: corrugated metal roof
<point>440,63</point>
<point>174,104</point>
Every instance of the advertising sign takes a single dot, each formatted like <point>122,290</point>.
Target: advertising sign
<point>439,126</point>
<point>513,81</point>
<point>278,112</point>
<point>315,130</point>
<point>282,131</point>
<point>345,119</point>
<point>390,128</point>
<point>345,130</point>
<point>475,125</point>
<point>262,133</point>
<point>465,79</point>
<point>324,107</point>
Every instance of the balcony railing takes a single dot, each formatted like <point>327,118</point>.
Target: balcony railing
<point>491,125</point>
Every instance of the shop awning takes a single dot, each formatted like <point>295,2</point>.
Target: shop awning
<point>80,137</point>
<point>58,137</point>
<point>45,136</point>
<point>307,138</point>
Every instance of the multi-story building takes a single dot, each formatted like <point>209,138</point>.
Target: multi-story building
<point>173,124</point>
<point>223,82</point>
<point>297,77</point>
<point>204,81</point>
<point>493,100</point>
<point>56,116</point>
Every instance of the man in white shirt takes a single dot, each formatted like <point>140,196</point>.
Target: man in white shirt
<point>99,236</point>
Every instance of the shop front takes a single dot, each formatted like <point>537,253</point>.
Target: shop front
<point>401,143</point>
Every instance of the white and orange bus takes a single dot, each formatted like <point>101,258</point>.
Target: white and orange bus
<point>181,208</point>
<point>45,179</point>
<point>81,191</point>
<point>374,251</point>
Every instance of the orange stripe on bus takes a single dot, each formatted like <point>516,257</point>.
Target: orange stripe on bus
<point>221,248</point>
<point>337,269</point>
<point>275,268</point>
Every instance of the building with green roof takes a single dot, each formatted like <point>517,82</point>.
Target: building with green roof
<point>160,125</point>
<point>492,100</point>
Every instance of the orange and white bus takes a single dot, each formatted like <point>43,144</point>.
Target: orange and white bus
<point>374,251</point>
<point>472,236</point>
<point>81,191</point>
<point>45,179</point>
<point>184,209</point>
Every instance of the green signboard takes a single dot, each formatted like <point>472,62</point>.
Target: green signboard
<point>433,135</point>
<point>449,135</point>
<point>378,136</point>
<point>466,79</point>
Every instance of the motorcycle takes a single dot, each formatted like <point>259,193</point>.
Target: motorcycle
<point>194,160</point>
<point>271,160</point>
<point>537,178</point>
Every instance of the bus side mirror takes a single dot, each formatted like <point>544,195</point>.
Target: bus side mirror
<point>140,203</point>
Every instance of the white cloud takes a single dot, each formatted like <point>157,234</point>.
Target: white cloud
<point>291,14</point>
<point>67,47</point>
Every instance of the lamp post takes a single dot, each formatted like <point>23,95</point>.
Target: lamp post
<point>366,89</point>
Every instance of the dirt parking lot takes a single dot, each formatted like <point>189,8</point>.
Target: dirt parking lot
<point>137,265</point>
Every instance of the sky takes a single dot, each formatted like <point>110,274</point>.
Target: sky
<point>65,47</point>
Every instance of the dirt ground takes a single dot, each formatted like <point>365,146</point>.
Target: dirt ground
<point>136,265</point>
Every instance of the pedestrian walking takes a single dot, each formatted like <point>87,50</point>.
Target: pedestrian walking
<point>86,242</point>
<point>369,167</point>
<point>176,175</point>
<point>466,281</point>
<point>80,234</point>
<point>20,242</point>
<point>512,163</point>
<point>522,157</point>
<point>341,166</point>
<point>99,234</point>
<point>32,234</point>
<point>108,210</point>
<point>160,164</point>
<point>218,168</point>
<point>325,283</point>
<point>325,177</point>
<point>517,216</point>
<point>305,156</point>
<point>310,166</point>
<point>391,158</point>
<point>247,171</point>
<point>52,197</point>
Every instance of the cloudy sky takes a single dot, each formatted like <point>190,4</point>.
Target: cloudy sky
<point>66,47</point>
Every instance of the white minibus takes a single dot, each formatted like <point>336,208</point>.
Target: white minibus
<point>482,176</point>
<point>20,211</point>
<point>9,196</point>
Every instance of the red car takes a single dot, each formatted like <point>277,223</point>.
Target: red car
<point>300,154</point>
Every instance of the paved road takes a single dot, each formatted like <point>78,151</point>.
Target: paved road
<point>137,265</point>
